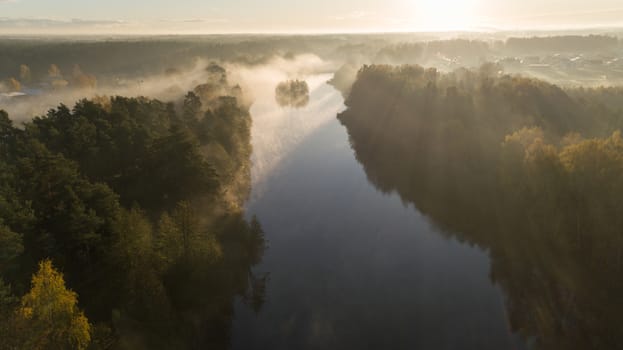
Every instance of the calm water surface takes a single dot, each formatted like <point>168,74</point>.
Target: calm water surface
<point>351,267</point>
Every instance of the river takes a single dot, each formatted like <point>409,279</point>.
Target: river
<point>352,267</point>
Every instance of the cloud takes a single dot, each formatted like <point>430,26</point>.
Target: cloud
<point>197,20</point>
<point>11,25</point>
<point>6,22</point>
<point>352,16</point>
<point>40,26</point>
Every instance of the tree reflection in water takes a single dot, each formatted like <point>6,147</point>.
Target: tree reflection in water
<point>498,161</point>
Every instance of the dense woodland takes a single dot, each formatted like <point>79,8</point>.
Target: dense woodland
<point>524,169</point>
<point>121,224</point>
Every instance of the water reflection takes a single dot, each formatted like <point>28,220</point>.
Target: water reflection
<point>548,217</point>
<point>353,268</point>
<point>561,292</point>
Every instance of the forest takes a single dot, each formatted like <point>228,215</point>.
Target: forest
<point>469,181</point>
<point>520,167</point>
<point>101,245</point>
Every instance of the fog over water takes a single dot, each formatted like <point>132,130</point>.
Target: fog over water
<point>278,130</point>
<point>347,260</point>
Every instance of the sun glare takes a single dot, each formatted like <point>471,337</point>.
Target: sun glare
<point>444,15</point>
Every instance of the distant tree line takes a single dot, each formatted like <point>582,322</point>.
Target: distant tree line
<point>564,43</point>
<point>109,59</point>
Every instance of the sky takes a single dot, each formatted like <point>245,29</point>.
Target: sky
<point>297,16</point>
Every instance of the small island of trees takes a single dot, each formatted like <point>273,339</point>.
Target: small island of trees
<point>292,93</point>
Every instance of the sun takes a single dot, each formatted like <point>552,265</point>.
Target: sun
<point>445,15</point>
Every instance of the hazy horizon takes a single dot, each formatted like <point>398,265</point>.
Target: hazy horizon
<point>63,17</point>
